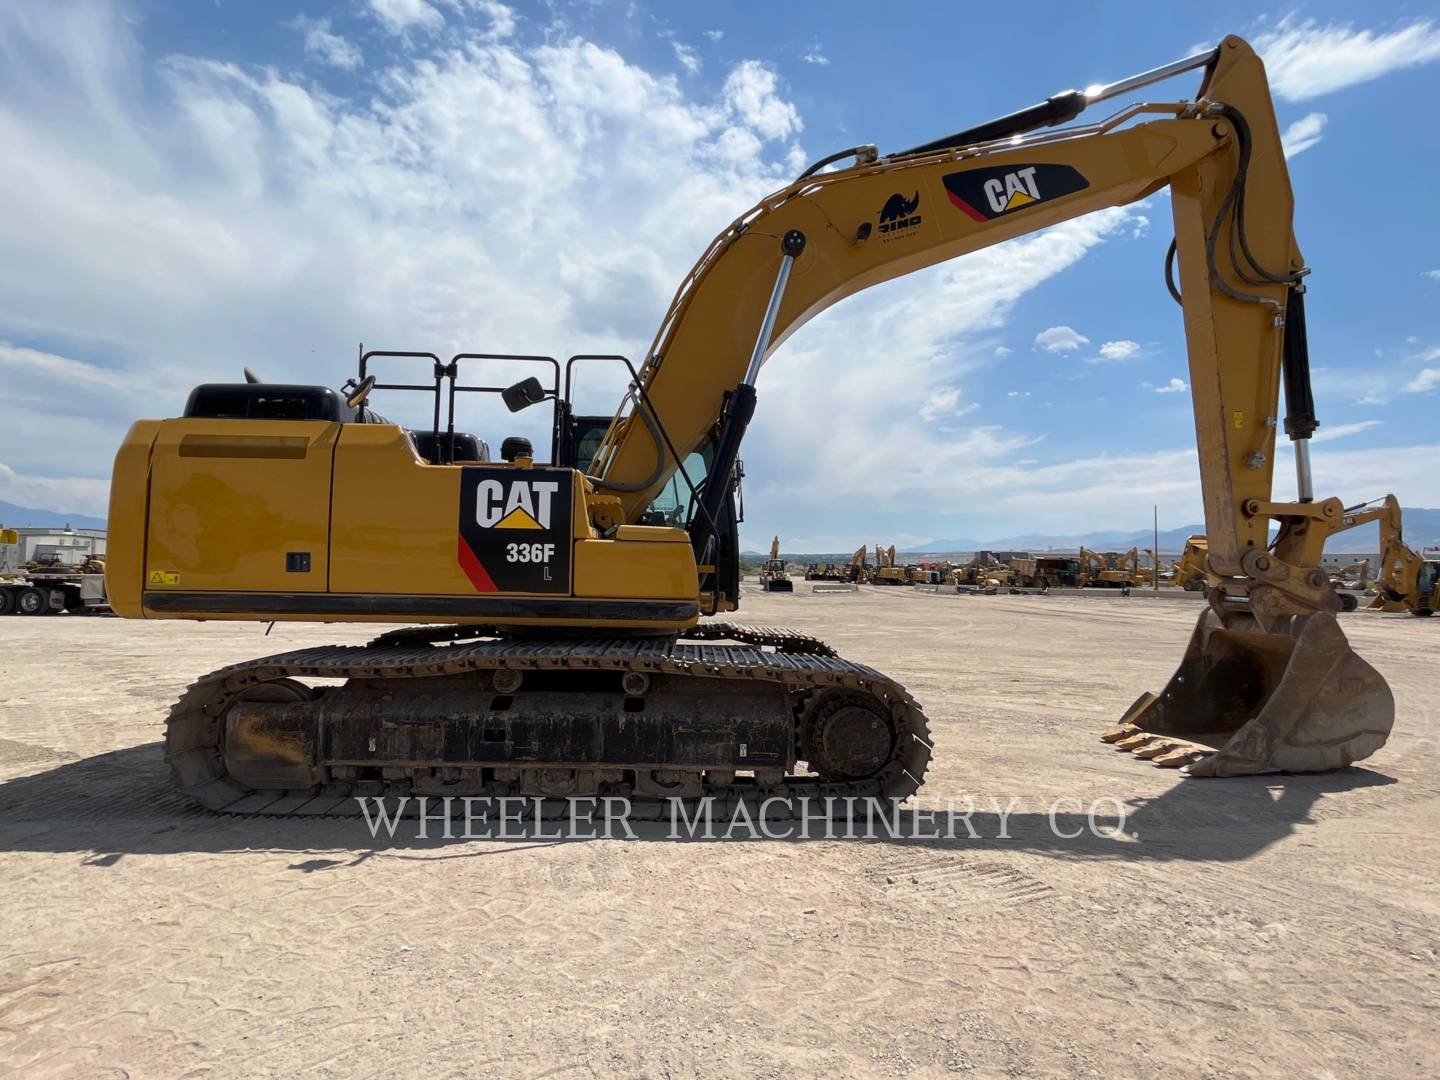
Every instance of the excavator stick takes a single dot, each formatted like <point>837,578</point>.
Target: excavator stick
<point>1247,701</point>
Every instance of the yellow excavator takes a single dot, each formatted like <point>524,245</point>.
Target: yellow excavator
<point>773,577</point>
<point>1407,581</point>
<point>858,572</point>
<point>1108,569</point>
<point>562,649</point>
<point>887,571</point>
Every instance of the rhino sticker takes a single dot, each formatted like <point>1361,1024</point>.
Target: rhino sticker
<point>898,215</point>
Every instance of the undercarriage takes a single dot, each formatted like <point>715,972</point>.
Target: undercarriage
<point>718,711</point>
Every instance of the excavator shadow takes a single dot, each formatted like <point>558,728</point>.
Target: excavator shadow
<point>123,802</point>
<point>1192,820</point>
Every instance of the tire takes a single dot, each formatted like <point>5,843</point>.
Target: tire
<point>32,601</point>
<point>1423,613</point>
<point>1348,602</point>
<point>7,601</point>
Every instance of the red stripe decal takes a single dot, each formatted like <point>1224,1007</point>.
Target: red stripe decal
<point>474,570</point>
<point>963,205</point>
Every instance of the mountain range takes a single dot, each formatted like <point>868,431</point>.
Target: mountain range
<point>20,517</point>
<point>1422,530</point>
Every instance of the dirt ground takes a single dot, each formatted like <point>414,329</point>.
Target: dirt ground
<point>1276,926</point>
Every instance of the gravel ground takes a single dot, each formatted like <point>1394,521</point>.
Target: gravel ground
<point>1272,926</point>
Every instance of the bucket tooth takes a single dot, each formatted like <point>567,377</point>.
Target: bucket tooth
<point>1115,734</point>
<point>1179,758</point>
<point>1295,698</point>
<point>1155,749</point>
<point>1137,741</point>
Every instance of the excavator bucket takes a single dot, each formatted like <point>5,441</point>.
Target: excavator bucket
<point>1248,701</point>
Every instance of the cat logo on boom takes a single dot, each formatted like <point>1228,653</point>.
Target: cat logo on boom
<point>985,194</point>
<point>515,529</point>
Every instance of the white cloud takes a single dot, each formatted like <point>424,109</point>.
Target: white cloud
<point>1119,350</point>
<point>502,17</point>
<point>750,93</point>
<point>688,57</point>
<point>1002,351</point>
<point>1060,339</point>
<point>1329,433</point>
<point>327,47</point>
<point>715,35</point>
<point>816,56</point>
<point>1427,380</point>
<point>21,364</point>
<point>1357,475</point>
<point>1174,386</point>
<point>1434,275</point>
<point>1303,134</point>
<point>400,16</point>
<point>1140,228</point>
<point>944,403</point>
<point>64,494</point>
<point>1305,59</point>
<point>548,196</point>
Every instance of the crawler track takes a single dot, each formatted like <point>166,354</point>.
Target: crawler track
<point>808,670</point>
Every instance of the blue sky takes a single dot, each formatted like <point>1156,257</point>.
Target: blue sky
<point>192,187</point>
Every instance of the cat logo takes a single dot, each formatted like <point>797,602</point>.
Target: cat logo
<point>985,194</point>
<point>526,506</point>
<point>1015,190</point>
<point>515,529</point>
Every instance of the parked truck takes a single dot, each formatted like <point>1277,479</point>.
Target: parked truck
<point>1046,571</point>
<point>49,585</point>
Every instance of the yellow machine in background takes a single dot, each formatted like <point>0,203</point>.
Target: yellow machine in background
<point>1109,569</point>
<point>1146,575</point>
<point>1357,572</point>
<point>983,571</point>
<point>1189,572</point>
<point>773,577</point>
<point>886,572</point>
<point>1407,581</point>
<point>567,654</point>
<point>859,570</point>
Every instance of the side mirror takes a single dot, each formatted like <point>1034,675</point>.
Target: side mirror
<point>523,394</point>
<point>357,396</point>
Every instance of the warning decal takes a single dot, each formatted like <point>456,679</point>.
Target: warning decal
<point>515,529</point>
